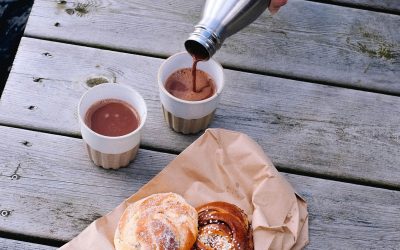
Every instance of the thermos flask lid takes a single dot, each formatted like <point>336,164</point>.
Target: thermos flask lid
<point>202,43</point>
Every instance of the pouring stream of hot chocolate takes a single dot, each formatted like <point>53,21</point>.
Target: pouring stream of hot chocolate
<point>194,68</point>
<point>180,85</point>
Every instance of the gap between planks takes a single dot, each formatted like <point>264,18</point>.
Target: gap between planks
<point>24,240</point>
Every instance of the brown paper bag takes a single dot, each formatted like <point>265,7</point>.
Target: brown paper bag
<point>226,166</point>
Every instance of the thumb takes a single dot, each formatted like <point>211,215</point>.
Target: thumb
<point>275,5</point>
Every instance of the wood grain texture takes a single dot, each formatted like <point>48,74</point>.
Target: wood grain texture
<point>383,5</point>
<point>52,190</point>
<point>7,244</point>
<point>304,127</point>
<point>307,40</point>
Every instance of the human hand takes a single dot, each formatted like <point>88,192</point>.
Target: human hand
<point>275,5</point>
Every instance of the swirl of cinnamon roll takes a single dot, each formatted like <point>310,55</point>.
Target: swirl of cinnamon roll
<point>223,226</point>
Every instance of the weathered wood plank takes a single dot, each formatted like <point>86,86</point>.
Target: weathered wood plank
<point>304,127</point>
<point>392,6</point>
<point>7,244</point>
<point>307,40</point>
<point>56,192</point>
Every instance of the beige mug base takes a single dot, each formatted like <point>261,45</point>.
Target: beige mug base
<point>187,126</point>
<point>112,161</point>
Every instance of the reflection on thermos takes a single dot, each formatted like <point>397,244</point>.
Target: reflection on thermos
<point>221,19</point>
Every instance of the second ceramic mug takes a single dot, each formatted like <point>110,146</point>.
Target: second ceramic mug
<point>189,117</point>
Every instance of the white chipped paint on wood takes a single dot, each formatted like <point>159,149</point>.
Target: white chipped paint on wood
<point>303,127</point>
<point>307,40</point>
<point>58,192</point>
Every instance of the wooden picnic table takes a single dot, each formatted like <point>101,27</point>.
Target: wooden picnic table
<point>316,85</point>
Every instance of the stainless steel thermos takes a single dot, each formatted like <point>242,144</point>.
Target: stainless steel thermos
<point>221,19</point>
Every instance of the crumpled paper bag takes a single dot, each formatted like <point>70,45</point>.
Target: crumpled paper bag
<point>225,166</point>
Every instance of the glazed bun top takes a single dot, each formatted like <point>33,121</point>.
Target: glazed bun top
<point>162,221</point>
